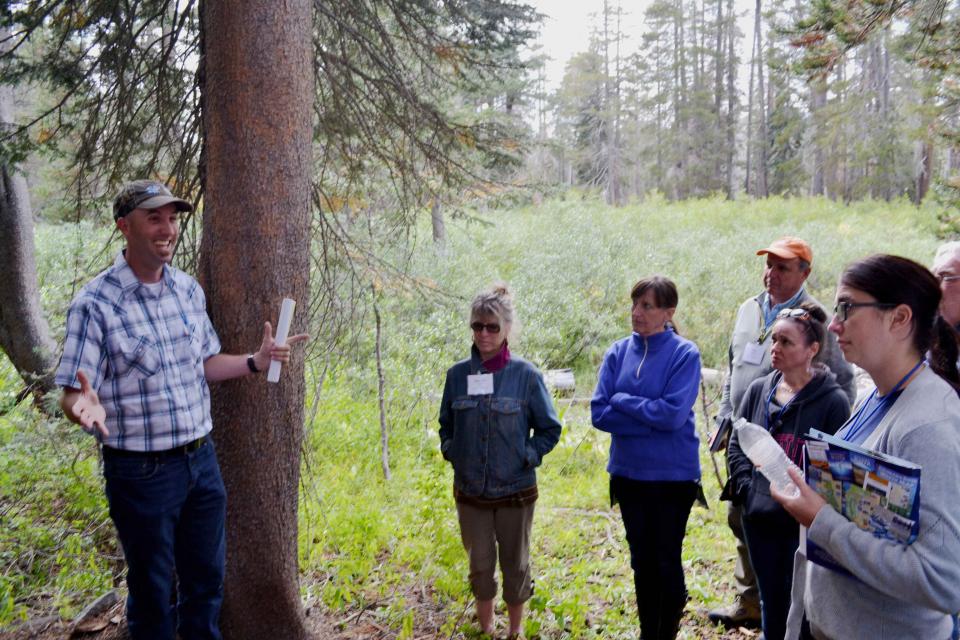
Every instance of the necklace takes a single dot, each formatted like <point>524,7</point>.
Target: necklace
<point>794,390</point>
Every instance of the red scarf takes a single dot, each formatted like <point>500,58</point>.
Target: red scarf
<point>498,361</point>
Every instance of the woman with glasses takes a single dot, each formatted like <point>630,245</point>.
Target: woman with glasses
<point>798,395</point>
<point>886,322</point>
<point>497,421</point>
<point>644,398</point>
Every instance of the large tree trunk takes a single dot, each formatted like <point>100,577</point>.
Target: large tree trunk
<point>24,333</point>
<point>257,96</point>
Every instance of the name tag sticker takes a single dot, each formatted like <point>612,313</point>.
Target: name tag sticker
<point>480,384</point>
<point>753,353</point>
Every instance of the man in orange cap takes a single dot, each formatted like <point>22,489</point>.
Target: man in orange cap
<point>788,262</point>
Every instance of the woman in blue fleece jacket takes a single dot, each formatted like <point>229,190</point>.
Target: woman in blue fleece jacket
<point>647,386</point>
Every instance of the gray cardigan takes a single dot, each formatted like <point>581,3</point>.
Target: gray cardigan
<point>906,591</point>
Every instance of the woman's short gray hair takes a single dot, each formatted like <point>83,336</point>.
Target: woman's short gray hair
<point>495,301</point>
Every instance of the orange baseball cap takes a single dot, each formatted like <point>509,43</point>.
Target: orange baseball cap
<point>788,248</point>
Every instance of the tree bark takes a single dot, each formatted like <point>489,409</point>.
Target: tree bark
<point>24,332</point>
<point>258,89</point>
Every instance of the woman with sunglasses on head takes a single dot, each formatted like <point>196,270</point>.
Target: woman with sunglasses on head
<point>798,395</point>
<point>646,388</point>
<point>497,421</point>
<point>886,322</point>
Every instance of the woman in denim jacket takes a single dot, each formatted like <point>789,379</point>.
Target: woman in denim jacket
<point>497,421</point>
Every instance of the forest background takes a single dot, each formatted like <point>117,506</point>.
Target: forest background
<point>439,166</point>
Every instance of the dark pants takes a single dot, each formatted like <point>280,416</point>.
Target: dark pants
<point>655,518</point>
<point>169,512</point>
<point>772,543</point>
<point>743,574</point>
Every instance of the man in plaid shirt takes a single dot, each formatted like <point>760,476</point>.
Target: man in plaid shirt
<point>138,355</point>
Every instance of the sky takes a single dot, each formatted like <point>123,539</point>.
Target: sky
<point>567,27</point>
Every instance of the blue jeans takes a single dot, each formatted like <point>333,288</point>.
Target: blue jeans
<point>772,543</point>
<point>169,512</point>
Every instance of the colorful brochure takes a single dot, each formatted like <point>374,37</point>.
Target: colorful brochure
<point>877,492</point>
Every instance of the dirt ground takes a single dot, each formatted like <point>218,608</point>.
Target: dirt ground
<point>357,624</point>
<point>111,625</point>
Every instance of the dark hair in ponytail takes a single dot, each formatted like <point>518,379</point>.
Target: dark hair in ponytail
<point>944,351</point>
<point>896,280</point>
<point>814,327</point>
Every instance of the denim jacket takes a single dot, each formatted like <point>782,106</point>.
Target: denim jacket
<point>496,441</point>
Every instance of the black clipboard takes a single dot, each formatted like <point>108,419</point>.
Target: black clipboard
<point>721,435</point>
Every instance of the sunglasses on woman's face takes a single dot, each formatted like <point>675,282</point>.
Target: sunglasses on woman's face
<point>491,327</point>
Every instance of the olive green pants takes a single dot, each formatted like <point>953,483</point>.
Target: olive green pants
<point>504,532</point>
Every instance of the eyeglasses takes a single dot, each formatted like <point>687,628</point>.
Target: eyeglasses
<point>946,277</point>
<point>491,327</point>
<point>796,314</point>
<point>842,309</point>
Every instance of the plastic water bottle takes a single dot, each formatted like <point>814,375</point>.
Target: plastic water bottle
<point>767,455</point>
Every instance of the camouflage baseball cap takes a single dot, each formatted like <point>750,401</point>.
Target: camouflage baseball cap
<point>145,194</point>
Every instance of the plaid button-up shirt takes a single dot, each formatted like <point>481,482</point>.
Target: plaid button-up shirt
<point>143,348</point>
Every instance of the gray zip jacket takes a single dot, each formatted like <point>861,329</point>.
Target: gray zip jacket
<point>903,592</point>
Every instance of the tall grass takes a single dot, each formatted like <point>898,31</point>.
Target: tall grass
<point>571,264</point>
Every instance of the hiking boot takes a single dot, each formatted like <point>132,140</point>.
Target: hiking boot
<point>735,615</point>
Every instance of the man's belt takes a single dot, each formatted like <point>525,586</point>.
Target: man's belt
<point>182,450</point>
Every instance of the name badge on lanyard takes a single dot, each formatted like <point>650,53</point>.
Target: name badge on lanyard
<point>753,353</point>
<point>480,384</point>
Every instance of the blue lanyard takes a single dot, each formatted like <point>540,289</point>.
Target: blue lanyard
<point>859,421</point>
<point>783,409</point>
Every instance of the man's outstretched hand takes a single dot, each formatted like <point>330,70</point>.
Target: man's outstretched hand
<point>87,410</point>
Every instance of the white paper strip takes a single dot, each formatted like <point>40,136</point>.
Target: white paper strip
<point>283,329</point>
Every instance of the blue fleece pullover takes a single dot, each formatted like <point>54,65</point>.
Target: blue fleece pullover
<point>648,408</point>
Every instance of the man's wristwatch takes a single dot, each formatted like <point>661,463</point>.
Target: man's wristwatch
<point>252,364</point>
